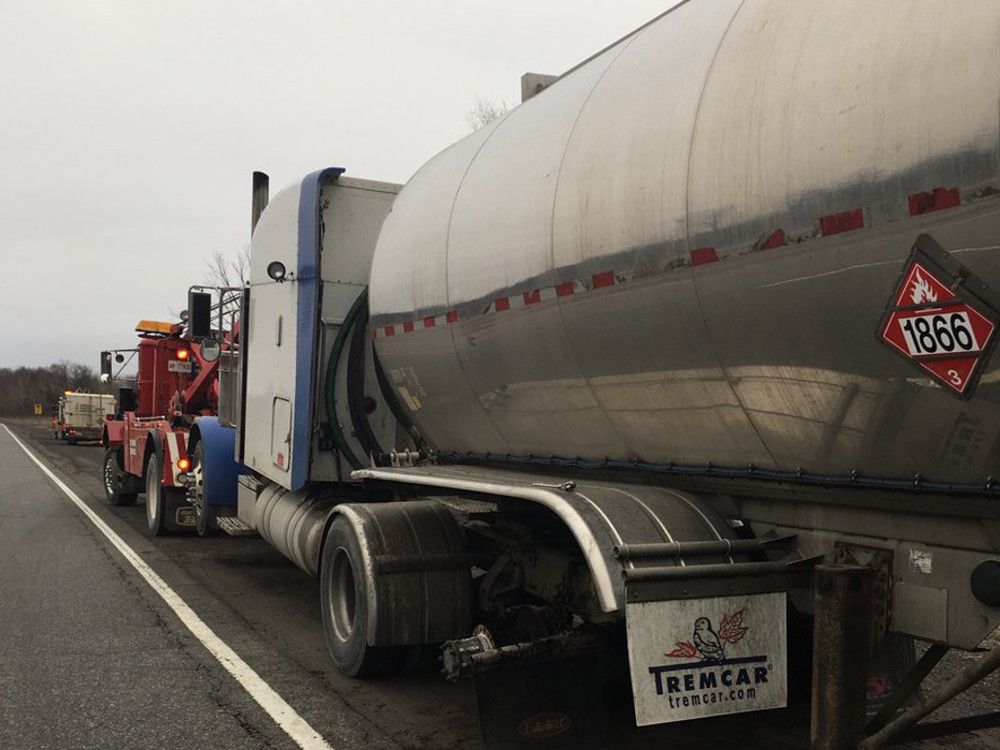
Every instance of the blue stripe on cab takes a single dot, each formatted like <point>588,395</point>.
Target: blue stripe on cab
<point>306,320</point>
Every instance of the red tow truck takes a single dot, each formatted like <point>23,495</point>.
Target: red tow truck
<point>166,438</point>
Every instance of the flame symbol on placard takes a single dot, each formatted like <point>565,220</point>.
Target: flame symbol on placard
<point>922,290</point>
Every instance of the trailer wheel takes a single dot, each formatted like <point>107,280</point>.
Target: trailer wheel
<point>114,478</point>
<point>344,584</point>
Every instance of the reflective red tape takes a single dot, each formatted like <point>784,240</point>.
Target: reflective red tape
<point>605,278</point>
<point>777,239</point>
<point>935,200</point>
<point>702,255</point>
<point>845,221</point>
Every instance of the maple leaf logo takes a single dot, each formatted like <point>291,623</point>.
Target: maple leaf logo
<point>731,628</point>
<point>684,650</point>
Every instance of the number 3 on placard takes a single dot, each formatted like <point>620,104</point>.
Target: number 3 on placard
<point>954,377</point>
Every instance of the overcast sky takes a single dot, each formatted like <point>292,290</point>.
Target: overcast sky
<point>129,130</point>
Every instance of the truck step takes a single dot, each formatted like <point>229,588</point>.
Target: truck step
<point>235,527</point>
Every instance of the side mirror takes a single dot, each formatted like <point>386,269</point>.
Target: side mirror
<point>126,400</point>
<point>199,314</point>
<point>105,364</point>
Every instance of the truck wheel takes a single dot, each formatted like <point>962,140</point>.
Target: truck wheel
<point>344,583</point>
<point>203,512</point>
<point>156,498</point>
<point>114,478</point>
<point>423,598</point>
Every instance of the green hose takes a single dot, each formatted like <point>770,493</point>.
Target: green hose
<point>331,378</point>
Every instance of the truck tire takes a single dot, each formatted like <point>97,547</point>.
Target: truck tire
<point>161,502</point>
<point>378,619</point>
<point>155,509</point>
<point>344,603</point>
<point>115,480</point>
<point>203,512</point>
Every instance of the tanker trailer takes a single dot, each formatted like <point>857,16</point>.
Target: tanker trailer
<point>716,306</point>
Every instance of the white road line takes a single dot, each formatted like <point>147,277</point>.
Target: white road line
<point>830,273</point>
<point>284,715</point>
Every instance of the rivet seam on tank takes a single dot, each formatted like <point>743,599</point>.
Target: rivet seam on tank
<point>837,223</point>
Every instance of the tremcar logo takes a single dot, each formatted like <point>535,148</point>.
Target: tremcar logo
<point>731,678</point>
<point>695,658</point>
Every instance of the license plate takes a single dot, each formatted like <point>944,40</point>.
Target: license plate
<point>176,365</point>
<point>694,658</point>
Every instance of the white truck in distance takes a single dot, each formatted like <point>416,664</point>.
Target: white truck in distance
<point>81,415</point>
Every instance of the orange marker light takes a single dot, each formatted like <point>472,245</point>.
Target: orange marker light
<point>183,464</point>
<point>182,354</point>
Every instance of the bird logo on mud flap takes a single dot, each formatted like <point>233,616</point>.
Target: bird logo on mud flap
<point>709,644</point>
<point>706,672</point>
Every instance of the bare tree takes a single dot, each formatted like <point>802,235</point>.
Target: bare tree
<point>23,387</point>
<point>485,112</point>
<point>226,271</point>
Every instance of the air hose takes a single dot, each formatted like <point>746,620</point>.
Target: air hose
<point>330,393</point>
<point>356,398</point>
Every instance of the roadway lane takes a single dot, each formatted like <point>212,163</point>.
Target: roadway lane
<point>90,657</point>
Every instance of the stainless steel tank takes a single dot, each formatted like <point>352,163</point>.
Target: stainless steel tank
<point>682,249</point>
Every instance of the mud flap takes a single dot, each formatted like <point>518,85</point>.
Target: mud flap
<point>178,513</point>
<point>548,704</point>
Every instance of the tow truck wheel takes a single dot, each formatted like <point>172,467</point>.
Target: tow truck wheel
<point>114,478</point>
<point>344,604</point>
<point>156,500</point>
<point>203,512</point>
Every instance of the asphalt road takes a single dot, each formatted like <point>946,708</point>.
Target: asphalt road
<point>92,657</point>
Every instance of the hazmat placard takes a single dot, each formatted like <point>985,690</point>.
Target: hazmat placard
<point>933,322</point>
<point>694,658</point>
